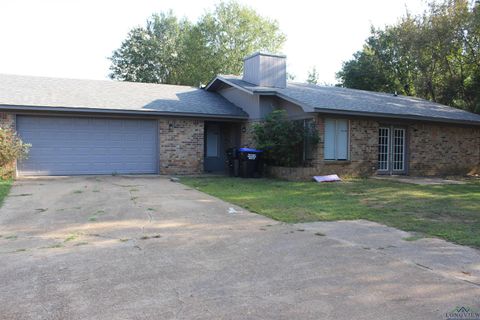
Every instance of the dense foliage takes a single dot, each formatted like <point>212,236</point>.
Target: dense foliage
<point>11,148</point>
<point>435,55</point>
<point>177,51</point>
<point>284,140</point>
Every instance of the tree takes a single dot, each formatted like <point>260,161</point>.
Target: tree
<point>11,148</point>
<point>313,76</point>
<point>365,62</point>
<point>282,139</point>
<point>434,56</point>
<point>175,51</point>
<point>152,54</point>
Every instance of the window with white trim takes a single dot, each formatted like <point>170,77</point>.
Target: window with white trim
<point>336,139</point>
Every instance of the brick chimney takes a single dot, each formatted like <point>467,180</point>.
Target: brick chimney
<point>266,70</point>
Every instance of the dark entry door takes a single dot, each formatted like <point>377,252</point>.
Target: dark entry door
<point>392,150</point>
<point>214,153</point>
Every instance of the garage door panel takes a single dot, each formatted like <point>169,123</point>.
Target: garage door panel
<point>62,146</point>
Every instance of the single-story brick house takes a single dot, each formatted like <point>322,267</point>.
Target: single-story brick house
<point>105,127</point>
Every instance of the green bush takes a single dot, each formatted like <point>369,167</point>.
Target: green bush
<point>284,140</point>
<point>11,148</point>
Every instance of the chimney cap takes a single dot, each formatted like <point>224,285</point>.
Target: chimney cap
<point>265,54</point>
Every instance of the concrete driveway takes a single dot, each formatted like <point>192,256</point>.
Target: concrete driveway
<point>147,248</point>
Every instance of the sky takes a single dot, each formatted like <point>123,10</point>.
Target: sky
<point>74,38</point>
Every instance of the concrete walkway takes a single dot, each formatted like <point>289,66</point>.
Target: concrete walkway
<point>436,255</point>
<point>147,248</point>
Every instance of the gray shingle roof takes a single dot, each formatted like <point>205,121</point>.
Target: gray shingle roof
<point>342,100</point>
<point>112,96</point>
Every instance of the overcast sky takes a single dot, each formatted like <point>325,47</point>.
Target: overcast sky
<point>73,38</point>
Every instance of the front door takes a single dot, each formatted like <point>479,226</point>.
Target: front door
<point>214,153</point>
<point>392,150</point>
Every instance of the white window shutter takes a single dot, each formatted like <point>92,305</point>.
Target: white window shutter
<point>342,140</point>
<point>329,144</point>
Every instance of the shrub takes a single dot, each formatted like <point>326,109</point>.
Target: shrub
<point>11,148</point>
<point>284,140</point>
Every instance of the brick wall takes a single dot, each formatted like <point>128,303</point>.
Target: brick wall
<point>363,149</point>
<point>246,134</point>
<point>439,149</point>
<point>181,146</point>
<point>433,150</point>
<point>7,120</point>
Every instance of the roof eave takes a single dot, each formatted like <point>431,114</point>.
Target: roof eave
<point>219,78</point>
<point>16,108</point>
<point>395,116</point>
<point>232,84</point>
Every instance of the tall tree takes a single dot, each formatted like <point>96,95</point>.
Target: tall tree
<point>313,76</point>
<point>153,53</point>
<point>434,55</point>
<point>169,50</point>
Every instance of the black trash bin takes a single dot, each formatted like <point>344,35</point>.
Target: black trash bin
<point>233,162</point>
<point>251,164</point>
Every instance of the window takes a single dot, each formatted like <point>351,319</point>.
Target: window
<point>336,139</point>
<point>398,152</point>
<point>383,148</point>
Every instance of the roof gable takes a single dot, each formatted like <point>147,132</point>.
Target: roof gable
<point>338,100</point>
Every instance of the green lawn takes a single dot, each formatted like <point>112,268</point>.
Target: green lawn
<point>4,189</point>
<point>451,212</point>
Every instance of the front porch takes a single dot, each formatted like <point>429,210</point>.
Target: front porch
<point>218,138</point>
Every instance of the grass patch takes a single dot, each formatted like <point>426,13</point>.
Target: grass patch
<point>450,212</point>
<point>92,218</point>
<point>80,244</point>
<point>5,186</point>
<point>12,237</point>
<point>71,237</point>
<point>413,238</point>
<point>55,246</point>
<point>124,240</point>
<point>78,191</point>
<point>21,250</point>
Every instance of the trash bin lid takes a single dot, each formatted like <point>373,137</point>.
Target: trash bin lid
<point>250,150</point>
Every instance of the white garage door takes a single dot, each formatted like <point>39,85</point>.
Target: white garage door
<point>71,146</point>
